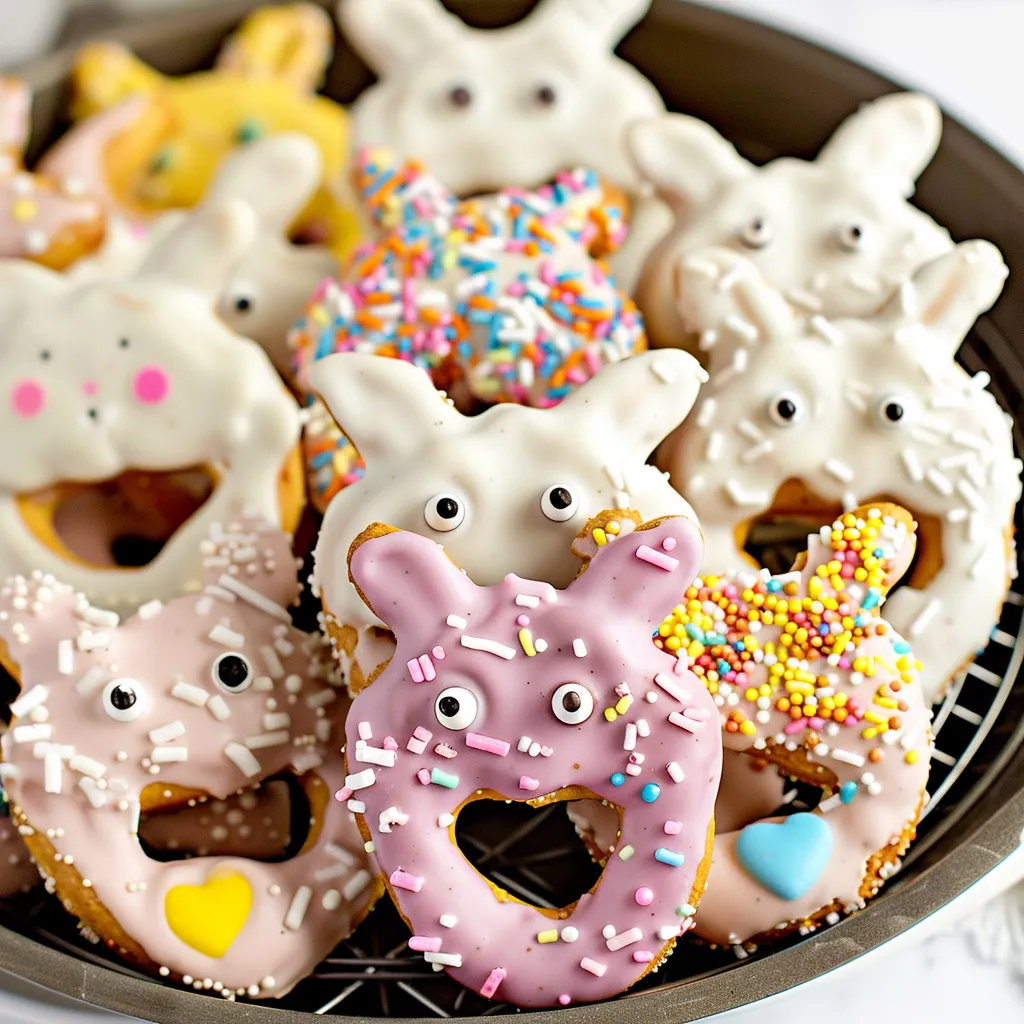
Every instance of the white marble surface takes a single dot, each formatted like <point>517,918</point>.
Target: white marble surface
<point>967,54</point>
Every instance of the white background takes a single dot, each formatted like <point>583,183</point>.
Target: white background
<point>968,54</point>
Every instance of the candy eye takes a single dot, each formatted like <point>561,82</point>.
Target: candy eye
<point>249,131</point>
<point>546,96</point>
<point>455,708</point>
<point>460,97</point>
<point>894,410</point>
<point>558,503</point>
<point>444,512</point>
<point>232,673</point>
<point>756,234</point>
<point>124,699</point>
<point>572,703</point>
<point>850,237</point>
<point>786,409</point>
<point>241,300</point>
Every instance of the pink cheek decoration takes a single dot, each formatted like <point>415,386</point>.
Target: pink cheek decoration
<point>89,388</point>
<point>28,398</point>
<point>151,385</point>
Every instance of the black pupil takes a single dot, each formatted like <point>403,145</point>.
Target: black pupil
<point>786,408</point>
<point>757,225</point>
<point>447,508</point>
<point>243,305</point>
<point>460,96</point>
<point>560,497</point>
<point>123,343</point>
<point>855,232</point>
<point>448,706</point>
<point>122,697</point>
<point>232,671</point>
<point>571,701</point>
<point>44,355</point>
<point>894,411</point>
<point>546,96</point>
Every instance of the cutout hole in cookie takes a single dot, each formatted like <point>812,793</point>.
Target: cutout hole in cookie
<point>270,822</point>
<point>531,853</point>
<point>774,538</point>
<point>121,523</point>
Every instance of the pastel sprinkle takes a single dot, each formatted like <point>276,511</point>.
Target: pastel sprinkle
<point>650,792</point>
<point>644,896</point>
<point>477,643</point>
<point>643,956</point>
<point>618,779</point>
<point>848,791</point>
<point>494,979</point>
<point>570,934</point>
<point>403,880</point>
<point>488,744</point>
<point>595,968</point>
<point>456,622</point>
<point>446,819</point>
<point>528,783</point>
<point>526,642</point>
<point>657,558</point>
<point>626,852</point>
<point>579,648</point>
<point>550,935</point>
<point>438,653</point>
<point>425,944</point>
<point>564,999</point>
<point>439,777</point>
<point>623,939</point>
<point>675,773</point>
<point>673,828</point>
<point>415,670</point>
<point>669,857</point>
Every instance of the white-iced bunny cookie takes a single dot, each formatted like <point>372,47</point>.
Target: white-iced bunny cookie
<point>836,235</point>
<point>802,419</point>
<point>505,491</point>
<point>131,412</point>
<point>275,176</point>
<point>486,109</point>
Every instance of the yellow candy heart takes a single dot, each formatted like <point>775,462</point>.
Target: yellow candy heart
<point>208,917</point>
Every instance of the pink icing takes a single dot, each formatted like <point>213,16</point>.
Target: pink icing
<point>614,607</point>
<point>82,779</point>
<point>151,385</point>
<point>28,398</point>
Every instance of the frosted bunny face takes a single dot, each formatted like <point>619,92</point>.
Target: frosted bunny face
<point>835,235</point>
<point>856,411</point>
<point>138,375</point>
<point>486,109</point>
<point>505,491</point>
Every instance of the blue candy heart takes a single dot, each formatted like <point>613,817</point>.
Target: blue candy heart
<point>786,858</point>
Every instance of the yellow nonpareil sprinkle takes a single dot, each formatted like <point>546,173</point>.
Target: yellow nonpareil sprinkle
<point>551,935</point>
<point>600,537</point>
<point>623,704</point>
<point>748,728</point>
<point>613,528</point>
<point>610,714</point>
<point>912,757</point>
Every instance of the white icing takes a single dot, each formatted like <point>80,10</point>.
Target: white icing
<point>807,212</point>
<point>835,445</point>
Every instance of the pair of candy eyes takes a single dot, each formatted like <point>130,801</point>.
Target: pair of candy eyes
<point>124,700</point>
<point>460,97</point>
<point>446,512</point>
<point>758,234</point>
<point>788,408</point>
<point>456,708</point>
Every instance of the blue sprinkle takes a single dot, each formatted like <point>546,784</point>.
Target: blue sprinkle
<point>669,857</point>
<point>773,585</point>
<point>323,459</point>
<point>871,599</point>
<point>878,553</point>
<point>724,666</point>
<point>650,792</point>
<point>847,792</point>
<point>902,647</point>
<point>823,629</point>
<point>618,779</point>
<point>439,777</point>
<point>694,632</point>
<point>561,311</point>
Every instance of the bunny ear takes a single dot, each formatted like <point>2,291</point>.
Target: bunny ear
<point>894,137</point>
<point>408,581</point>
<point>604,22</point>
<point>642,399</point>
<point>386,407</point>
<point>685,160</point>
<point>387,33</point>
<point>648,569</point>
<point>949,294</point>
<point>204,250</point>
<point>24,284</point>
<point>718,291</point>
<point>291,44</point>
<point>15,108</point>
<point>276,176</point>
<point>107,74</point>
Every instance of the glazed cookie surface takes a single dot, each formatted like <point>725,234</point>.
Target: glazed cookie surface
<point>521,692</point>
<point>807,421</point>
<point>836,235</point>
<point>503,491</point>
<point>130,409</point>
<point>162,153</point>
<point>43,220</point>
<point>810,681</point>
<point>204,696</point>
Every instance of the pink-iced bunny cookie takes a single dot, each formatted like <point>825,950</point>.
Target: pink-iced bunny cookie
<point>522,692</point>
<point>43,220</point>
<point>207,695</point>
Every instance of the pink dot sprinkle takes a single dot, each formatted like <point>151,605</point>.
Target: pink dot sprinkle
<point>438,653</point>
<point>673,828</point>
<point>644,896</point>
<point>643,956</point>
<point>523,620</point>
<point>564,999</point>
<point>390,743</point>
<point>669,543</point>
<point>528,783</point>
<point>27,398</point>
<point>343,794</point>
<point>424,777</point>
<point>89,387</point>
<point>151,385</point>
